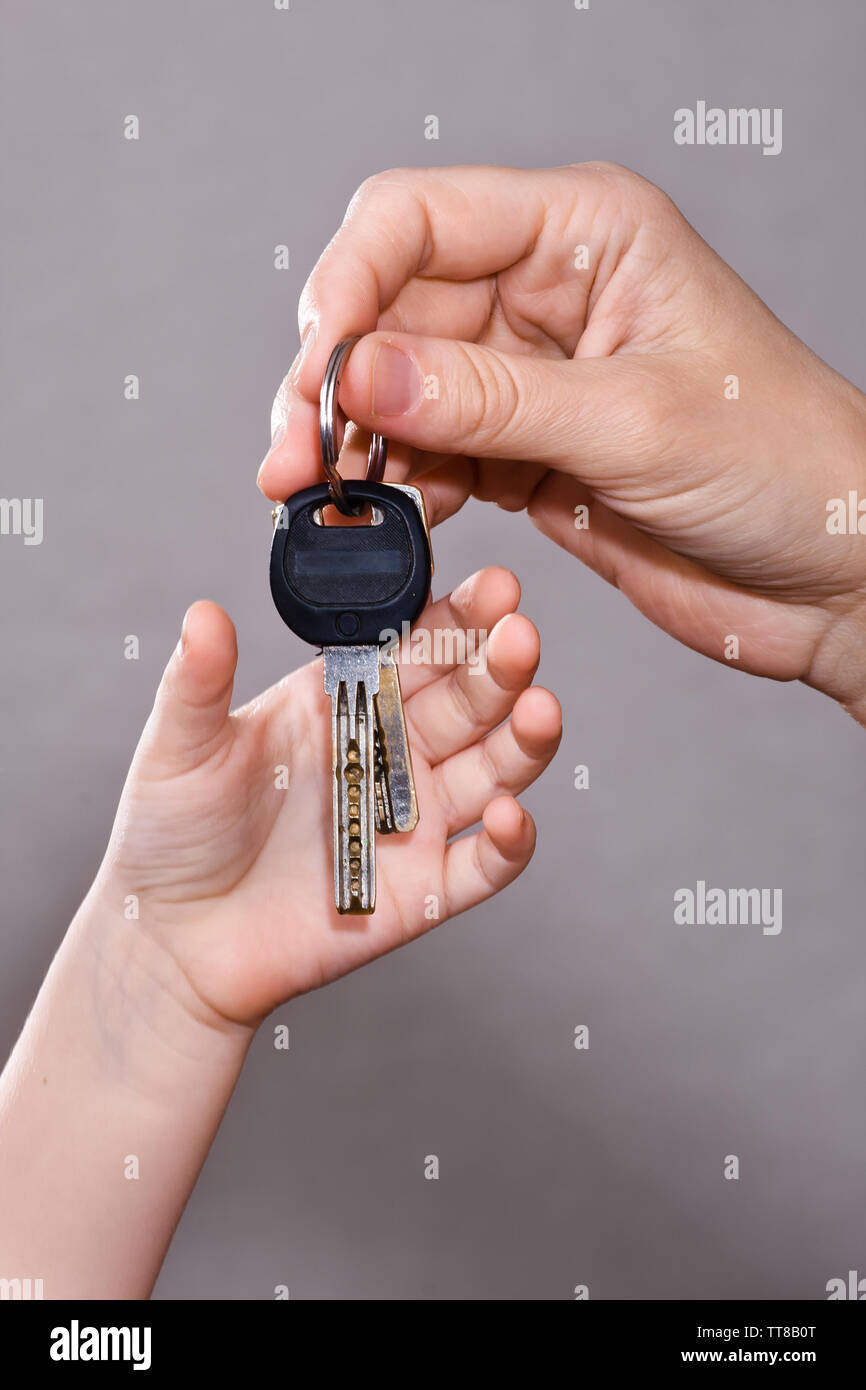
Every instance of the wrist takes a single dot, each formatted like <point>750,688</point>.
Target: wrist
<point>150,1029</point>
<point>116,1076</point>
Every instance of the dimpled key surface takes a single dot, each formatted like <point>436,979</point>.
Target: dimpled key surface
<point>352,680</point>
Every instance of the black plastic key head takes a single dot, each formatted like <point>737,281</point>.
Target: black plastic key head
<point>341,585</point>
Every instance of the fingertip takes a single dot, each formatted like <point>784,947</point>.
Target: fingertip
<point>510,827</point>
<point>266,478</point>
<point>515,643</point>
<point>291,462</point>
<point>489,593</point>
<point>507,585</point>
<point>208,649</point>
<point>192,703</point>
<point>536,720</point>
<point>205,619</point>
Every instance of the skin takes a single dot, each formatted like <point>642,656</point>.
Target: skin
<point>559,386</point>
<point>141,1027</point>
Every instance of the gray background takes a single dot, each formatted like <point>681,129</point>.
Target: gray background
<point>557,1167</point>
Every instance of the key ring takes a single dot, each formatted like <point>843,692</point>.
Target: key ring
<point>328,432</point>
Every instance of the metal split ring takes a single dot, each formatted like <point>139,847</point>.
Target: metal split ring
<point>328,431</point>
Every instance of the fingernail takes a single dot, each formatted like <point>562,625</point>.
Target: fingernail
<point>397,382</point>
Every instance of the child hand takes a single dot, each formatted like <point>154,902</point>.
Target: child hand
<point>223,841</point>
<point>224,836</point>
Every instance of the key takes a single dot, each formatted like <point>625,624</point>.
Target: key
<point>352,680</point>
<point>383,571</point>
<point>341,588</point>
<point>396,803</point>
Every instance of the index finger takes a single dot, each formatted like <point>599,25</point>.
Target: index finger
<point>457,223</point>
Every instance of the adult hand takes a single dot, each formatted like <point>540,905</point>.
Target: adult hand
<point>504,361</point>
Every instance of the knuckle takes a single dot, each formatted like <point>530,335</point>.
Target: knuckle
<point>654,411</point>
<point>490,401</point>
<point>466,712</point>
<point>482,867</point>
<point>631,191</point>
<point>445,795</point>
<point>375,185</point>
<point>494,782</point>
<point>365,191</point>
<point>650,405</point>
<point>607,168</point>
<point>389,199</point>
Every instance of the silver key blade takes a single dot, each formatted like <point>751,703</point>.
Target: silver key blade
<point>352,682</point>
<point>397,784</point>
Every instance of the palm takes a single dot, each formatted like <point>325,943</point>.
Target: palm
<point>283,860</point>
<point>231,857</point>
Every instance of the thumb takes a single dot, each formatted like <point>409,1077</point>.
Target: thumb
<point>586,416</point>
<point>190,713</point>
